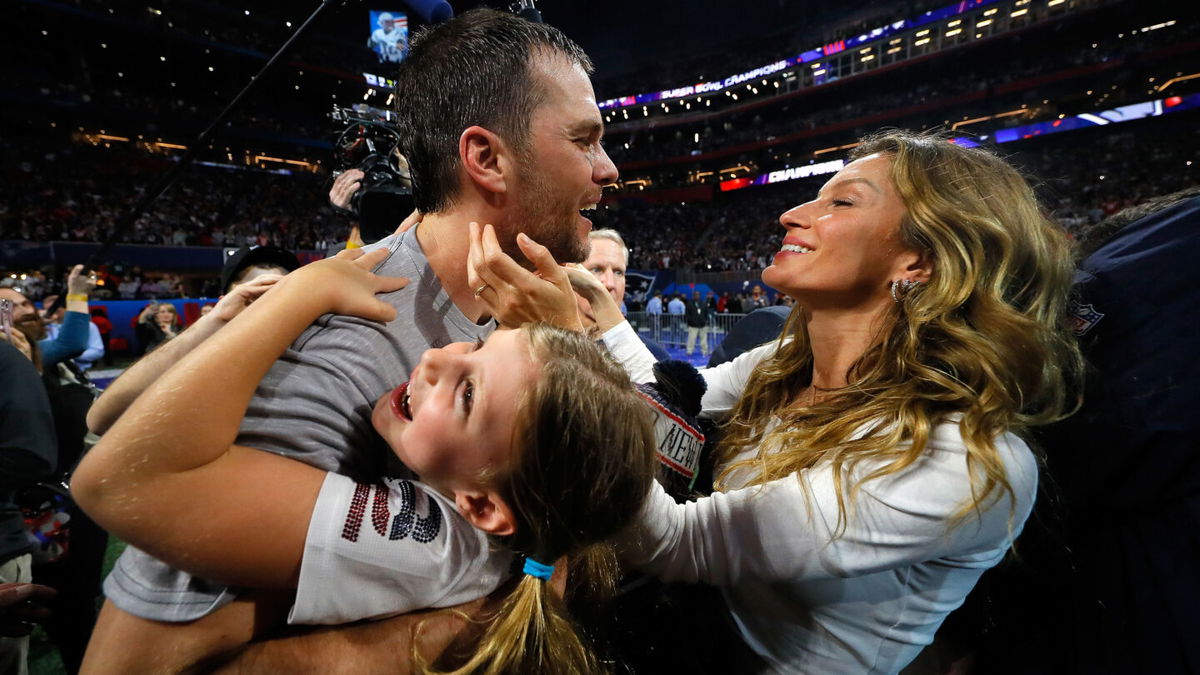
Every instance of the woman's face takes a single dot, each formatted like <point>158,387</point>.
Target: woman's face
<point>166,313</point>
<point>452,422</point>
<point>843,249</point>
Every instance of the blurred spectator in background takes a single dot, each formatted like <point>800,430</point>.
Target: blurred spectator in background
<point>654,309</point>
<point>697,324</point>
<point>248,263</point>
<point>676,309</point>
<point>54,324</point>
<point>27,455</point>
<point>72,338</point>
<point>157,323</point>
<point>607,260</point>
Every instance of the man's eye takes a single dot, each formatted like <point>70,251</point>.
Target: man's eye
<point>842,202</point>
<point>596,270</point>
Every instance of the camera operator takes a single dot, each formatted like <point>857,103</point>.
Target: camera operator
<point>374,182</point>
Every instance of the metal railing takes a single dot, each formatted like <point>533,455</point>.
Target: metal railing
<point>671,330</point>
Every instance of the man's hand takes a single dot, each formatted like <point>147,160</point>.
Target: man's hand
<point>79,283</point>
<point>21,605</point>
<point>233,302</point>
<point>344,187</point>
<point>18,340</point>
<point>513,294</point>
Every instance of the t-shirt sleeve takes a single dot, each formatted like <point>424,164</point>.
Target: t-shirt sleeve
<point>788,529</point>
<point>392,547</point>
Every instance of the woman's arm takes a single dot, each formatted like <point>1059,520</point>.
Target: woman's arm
<point>785,530</point>
<point>166,477</point>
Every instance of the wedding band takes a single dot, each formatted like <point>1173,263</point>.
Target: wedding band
<point>480,290</point>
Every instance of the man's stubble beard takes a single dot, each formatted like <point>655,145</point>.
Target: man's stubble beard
<point>540,216</point>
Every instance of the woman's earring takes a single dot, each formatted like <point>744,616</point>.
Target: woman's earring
<point>901,288</point>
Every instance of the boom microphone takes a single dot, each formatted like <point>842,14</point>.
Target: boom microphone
<point>433,11</point>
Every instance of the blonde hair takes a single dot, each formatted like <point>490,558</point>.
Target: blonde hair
<point>585,463</point>
<point>985,338</point>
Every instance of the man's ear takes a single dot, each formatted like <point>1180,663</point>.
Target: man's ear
<point>485,158</point>
<point>485,510</point>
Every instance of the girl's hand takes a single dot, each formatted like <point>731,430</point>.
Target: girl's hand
<point>345,285</point>
<point>233,302</point>
<point>513,294</point>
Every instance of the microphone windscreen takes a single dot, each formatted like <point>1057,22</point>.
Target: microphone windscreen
<point>530,14</point>
<point>433,11</point>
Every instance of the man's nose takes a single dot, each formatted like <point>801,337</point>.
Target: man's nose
<point>604,171</point>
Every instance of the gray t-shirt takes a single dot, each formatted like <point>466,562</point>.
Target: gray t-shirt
<point>315,405</point>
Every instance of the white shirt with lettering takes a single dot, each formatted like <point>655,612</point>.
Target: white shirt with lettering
<point>375,550</point>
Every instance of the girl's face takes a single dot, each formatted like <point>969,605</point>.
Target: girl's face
<point>452,422</point>
<point>843,248</point>
<point>166,313</point>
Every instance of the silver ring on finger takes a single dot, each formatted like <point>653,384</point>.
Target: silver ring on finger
<point>480,290</point>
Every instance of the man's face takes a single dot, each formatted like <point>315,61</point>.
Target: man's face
<point>565,166</point>
<point>26,317</point>
<point>607,262</point>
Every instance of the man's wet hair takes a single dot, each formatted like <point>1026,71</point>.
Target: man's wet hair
<point>475,69</point>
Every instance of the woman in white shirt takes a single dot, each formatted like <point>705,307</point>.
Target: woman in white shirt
<point>872,465</point>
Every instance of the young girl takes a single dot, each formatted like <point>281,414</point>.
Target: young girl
<point>533,437</point>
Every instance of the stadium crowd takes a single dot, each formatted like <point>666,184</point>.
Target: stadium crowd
<point>77,193</point>
<point>902,100</point>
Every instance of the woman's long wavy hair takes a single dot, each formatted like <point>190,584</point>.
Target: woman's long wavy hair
<point>583,468</point>
<point>985,338</point>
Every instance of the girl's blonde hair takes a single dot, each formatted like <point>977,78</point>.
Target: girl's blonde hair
<point>985,338</point>
<point>584,465</point>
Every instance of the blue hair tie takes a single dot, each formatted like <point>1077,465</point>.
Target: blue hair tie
<point>536,569</point>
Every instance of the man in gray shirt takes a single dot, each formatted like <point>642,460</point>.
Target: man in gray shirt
<point>499,122</point>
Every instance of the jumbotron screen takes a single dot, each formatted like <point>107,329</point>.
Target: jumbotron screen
<point>389,35</point>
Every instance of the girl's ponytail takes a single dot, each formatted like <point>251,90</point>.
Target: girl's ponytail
<point>531,634</point>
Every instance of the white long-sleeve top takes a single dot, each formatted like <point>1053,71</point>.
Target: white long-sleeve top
<point>867,600</point>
